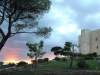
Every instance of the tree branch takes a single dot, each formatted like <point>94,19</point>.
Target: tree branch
<point>12,34</point>
<point>2,17</point>
<point>3,13</point>
<point>17,16</point>
<point>2,33</point>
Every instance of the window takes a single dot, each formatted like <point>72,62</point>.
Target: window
<point>96,39</point>
<point>97,47</point>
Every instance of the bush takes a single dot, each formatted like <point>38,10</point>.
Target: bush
<point>64,59</point>
<point>87,57</point>
<point>40,60</point>
<point>94,54</point>
<point>57,58</point>
<point>22,63</point>
<point>82,64</point>
<point>11,64</point>
<point>97,58</point>
<point>46,59</point>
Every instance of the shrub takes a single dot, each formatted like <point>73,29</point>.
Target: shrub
<point>80,58</point>
<point>57,58</point>
<point>11,64</point>
<point>40,60</point>
<point>87,57</point>
<point>46,59</point>
<point>97,58</point>
<point>64,59</point>
<point>94,54</point>
<point>82,64</point>
<point>22,63</point>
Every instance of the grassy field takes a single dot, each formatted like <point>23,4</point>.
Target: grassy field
<point>65,65</point>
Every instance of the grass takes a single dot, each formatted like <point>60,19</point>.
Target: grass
<point>65,65</point>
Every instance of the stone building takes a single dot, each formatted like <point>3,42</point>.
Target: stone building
<point>89,41</point>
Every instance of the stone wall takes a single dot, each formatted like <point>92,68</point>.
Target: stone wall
<point>89,41</point>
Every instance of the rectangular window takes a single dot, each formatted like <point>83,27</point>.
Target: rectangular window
<point>97,47</point>
<point>96,39</point>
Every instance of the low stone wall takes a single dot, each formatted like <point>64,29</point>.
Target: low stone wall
<point>50,72</point>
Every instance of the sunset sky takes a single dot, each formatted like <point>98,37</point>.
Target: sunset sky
<point>66,17</point>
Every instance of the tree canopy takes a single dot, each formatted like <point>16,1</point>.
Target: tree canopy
<point>56,50</point>
<point>22,16</point>
<point>36,50</point>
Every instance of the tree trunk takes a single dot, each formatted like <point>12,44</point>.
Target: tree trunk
<point>72,57</point>
<point>71,62</point>
<point>5,37</point>
<point>35,62</point>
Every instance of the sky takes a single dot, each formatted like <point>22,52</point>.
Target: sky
<point>66,17</point>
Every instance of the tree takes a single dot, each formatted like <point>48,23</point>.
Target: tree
<point>56,50</point>
<point>79,54</point>
<point>72,56</point>
<point>22,63</point>
<point>11,64</point>
<point>22,17</point>
<point>67,49</point>
<point>46,59</point>
<point>94,54</point>
<point>1,63</point>
<point>35,50</point>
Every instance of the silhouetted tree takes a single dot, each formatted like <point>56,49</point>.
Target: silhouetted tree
<point>22,63</point>
<point>67,49</point>
<point>11,64</point>
<point>56,50</point>
<point>35,50</point>
<point>22,17</point>
<point>1,63</point>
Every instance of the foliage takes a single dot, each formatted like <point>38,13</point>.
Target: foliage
<point>36,50</point>
<point>87,57</point>
<point>67,49</point>
<point>46,59</point>
<point>82,64</point>
<point>90,55</point>
<point>40,60</point>
<point>43,60</point>
<point>56,50</point>
<point>22,16</point>
<point>22,63</point>
<point>1,63</point>
<point>33,61</point>
<point>57,58</point>
<point>11,64</point>
<point>94,54</point>
<point>64,59</point>
<point>79,54</point>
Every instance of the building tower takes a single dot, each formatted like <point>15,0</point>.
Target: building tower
<point>84,41</point>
